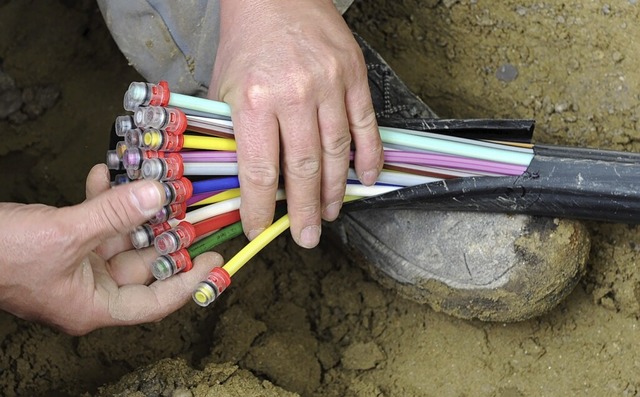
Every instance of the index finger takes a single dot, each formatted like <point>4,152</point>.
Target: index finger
<point>257,137</point>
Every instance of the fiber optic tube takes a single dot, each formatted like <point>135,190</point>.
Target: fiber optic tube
<point>123,124</point>
<point>162,140</point>
<point>144,235</point>
<point>167,265</point>
<point>163,169</point>
<point>133,137</point>
<point>185,233</point>
<point>203,156</point>
<point>458,147</point>
<point>153,139</point>
<point>171,120</point>
<point>120,179</point>
<point>134,156</point>
<point>455,162</point>
<point>144,94</point>
<point>113,160</point>
<point>213,197</point>
<point>218,208</point>
<point>177,191</point>
<point>217,281</point>
<point>134,174</point>
<point>215,184</point>
<point>171,212</point>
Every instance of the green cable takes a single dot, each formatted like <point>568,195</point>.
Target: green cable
<point>215,239</point>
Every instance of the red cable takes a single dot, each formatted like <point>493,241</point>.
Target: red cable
<point>216,222</point>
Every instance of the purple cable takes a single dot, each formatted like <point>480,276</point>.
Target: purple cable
<point>200,196</point>
<point>205,156</point>
<point>440,160</point>
<point>391,156</point>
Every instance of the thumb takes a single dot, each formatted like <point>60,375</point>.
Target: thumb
<point>118,210</point>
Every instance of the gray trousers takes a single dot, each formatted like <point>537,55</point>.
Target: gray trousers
<point>175,41</point>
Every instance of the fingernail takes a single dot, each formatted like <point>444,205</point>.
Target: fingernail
<point>310,236</point>
<point>332,210</point>
<point>146,197</point>
<point>369,177</point>
<point>254,233</point>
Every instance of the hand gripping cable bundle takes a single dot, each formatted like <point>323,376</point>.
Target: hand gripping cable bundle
<point>468,165</point>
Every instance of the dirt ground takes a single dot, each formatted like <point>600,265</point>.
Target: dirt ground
<point>312,322</point>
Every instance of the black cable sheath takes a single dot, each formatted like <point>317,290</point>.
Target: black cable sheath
<point>561,182</point>
<point>510,130</point>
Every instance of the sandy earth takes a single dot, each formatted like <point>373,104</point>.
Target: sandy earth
<point>313,322</point>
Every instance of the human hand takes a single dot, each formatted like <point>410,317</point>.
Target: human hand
<point>74,268</point>
<point>296,81</point>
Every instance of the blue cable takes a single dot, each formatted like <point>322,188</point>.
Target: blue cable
<point>215,184</point>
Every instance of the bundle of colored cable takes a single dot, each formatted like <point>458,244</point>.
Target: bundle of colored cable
<point>198,170</point>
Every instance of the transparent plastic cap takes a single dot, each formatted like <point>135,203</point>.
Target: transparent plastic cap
<point>160,216</point>
<point>132,158</point>
<point>153,169</point>
<point>138,94</point>
<point>152,139</point>
<point>167,243</point>
<point>141,237</point>
<point>121,146</point>
<point>150,117</point>
<point>133,138</point>
<point>113,161</point>
<point>123,124</point>
<point>121,179</point>
<point>134,175</point>
<point>204,294</point>
<point>163,267</point>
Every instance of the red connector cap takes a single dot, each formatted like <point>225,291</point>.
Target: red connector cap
<point>178,191</point>
<point>176,122</point>
<point>172,211</point>
<point>210,289</point>
<point>154,139</point>
<point>166,266</point>
<point>160,94</point>
<point>220,279</point>
<point>143,235</point>
<point>175,239</point>
<point>170,168</point>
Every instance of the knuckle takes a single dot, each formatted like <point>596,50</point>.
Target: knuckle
<point>114,214</point>
<point>260,174</point>
<point>306,167</point>
<point>340,145</point>
<point>255,95</point>
<point>365,120</point>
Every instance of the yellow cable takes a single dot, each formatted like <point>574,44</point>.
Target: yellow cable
<point>254,246</point>
<point>261,241</point>
<point>208,143</point>
<point>216,198</point>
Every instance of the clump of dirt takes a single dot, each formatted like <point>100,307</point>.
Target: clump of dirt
<point>313,322</point>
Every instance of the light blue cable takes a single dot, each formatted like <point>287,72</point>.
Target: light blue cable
<point>199,104</point>
<point>456,148</point>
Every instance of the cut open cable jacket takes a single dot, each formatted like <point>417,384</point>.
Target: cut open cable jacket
<point>560,182</point>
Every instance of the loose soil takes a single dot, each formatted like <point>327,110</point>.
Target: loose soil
<point>312,322</point>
